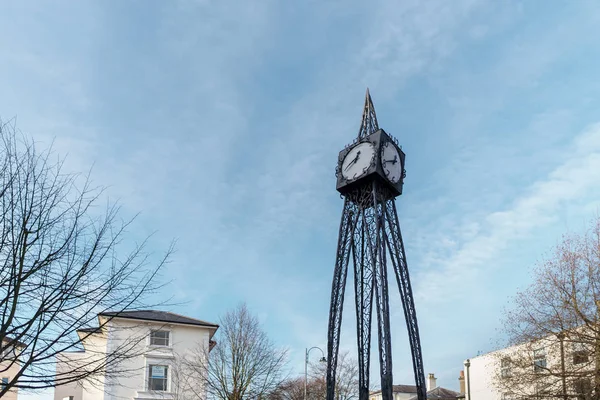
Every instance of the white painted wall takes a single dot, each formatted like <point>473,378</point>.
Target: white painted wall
<point>478,378</point>
<point>63,361</point>
<point>480,375</point>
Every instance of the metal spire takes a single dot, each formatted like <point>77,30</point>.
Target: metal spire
<point>369,119</point>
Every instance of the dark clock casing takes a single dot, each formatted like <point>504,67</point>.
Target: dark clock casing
<point>375,170</point>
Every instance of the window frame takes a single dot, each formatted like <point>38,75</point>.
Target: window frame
<point>579,353</point>
<point>582,387</point>
<point>151,378</point>
<point>540,362</point>
<point>168,338</point>
<point>505,367</point>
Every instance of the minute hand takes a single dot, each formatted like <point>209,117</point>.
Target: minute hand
<point>353,161</point>
<point>350,164</point>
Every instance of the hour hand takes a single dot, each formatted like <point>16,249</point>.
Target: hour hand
<point>394,161</point>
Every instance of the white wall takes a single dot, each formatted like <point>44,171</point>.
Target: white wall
<point>478,378</point>
<point>483,369</point>
<point>90,359</point>
<point>63,361</point>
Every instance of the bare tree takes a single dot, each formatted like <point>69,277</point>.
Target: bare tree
<point>554,326</point>
<point>63,261</point>
<point>346,382</point>
<point>346,379</point>
<point>244,364</point>
<point>293,389</point>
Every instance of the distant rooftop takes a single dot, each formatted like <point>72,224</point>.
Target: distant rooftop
<point>160,316</point>
<point>400,389</point>
<point>90,330</point>
<point>10,341</point>
<point>441,394</point>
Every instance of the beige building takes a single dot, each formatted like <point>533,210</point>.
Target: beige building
<point>9,366</point>
<point>163,339</point>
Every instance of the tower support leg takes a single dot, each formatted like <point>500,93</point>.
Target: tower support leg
<point>363,286</point>
<point>382,300</point>
<point>395,246</point>
<point>337,293</point>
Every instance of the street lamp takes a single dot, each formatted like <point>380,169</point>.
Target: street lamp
<point>323,359</point>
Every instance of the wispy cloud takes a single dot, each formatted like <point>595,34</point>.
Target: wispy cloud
<point>221,122</point>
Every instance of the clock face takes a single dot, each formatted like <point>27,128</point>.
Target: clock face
<point>390,161</point>
<point>357,161</point>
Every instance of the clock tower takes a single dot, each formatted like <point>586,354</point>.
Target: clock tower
<point>370,174</point>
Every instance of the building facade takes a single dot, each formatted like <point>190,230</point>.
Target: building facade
<point>158,343</point>
<point>9,366</point>
<point>557,366</point>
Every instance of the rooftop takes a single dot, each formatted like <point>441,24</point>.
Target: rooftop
<point>441,393</point>
<point>400,389</point>
<point>160,316</point>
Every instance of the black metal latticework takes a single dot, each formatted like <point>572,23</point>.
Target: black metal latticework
<point>370,235</point>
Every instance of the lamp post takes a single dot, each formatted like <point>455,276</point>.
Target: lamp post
<point>323,359</point>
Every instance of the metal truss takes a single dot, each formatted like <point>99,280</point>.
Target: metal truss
<point>370,235</point>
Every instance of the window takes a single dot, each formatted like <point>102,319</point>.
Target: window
<point>582,389</point>
<point>157,377</point>
<point>539,360</point>
<point>8,352</point>
<point>580,353</point>
<point>159,338</point>
<point>4,381</point>
<point>505,368</point>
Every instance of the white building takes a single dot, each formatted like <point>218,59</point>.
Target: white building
<point>530,369</point>
<point>159,341</point>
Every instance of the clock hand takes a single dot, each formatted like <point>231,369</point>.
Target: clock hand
<point>353,161</point>
<point>394,161</point>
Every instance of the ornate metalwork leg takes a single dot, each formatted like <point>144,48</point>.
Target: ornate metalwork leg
<point>381,294</point>
<point>395,246</point>
<point>363,286</point>
<point>337,294</point>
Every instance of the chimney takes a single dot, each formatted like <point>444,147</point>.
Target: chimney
<point>461,382</point>
<point>431,382</point>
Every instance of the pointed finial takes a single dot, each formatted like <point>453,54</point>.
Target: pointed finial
<point>369,119</point>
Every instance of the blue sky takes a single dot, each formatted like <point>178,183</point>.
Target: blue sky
<point>220,121</point>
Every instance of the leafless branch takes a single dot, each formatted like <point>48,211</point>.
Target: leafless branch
<point>63,260</point>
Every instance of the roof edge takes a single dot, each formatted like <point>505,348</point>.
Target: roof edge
<point>112,314</point>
